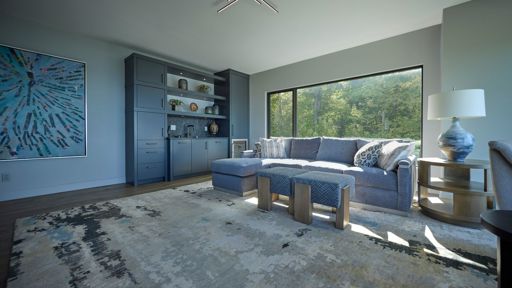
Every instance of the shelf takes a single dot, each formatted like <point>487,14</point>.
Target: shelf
<point>193,94</point>
<point>456,186</point>
<point>467,164</point>
<point>195,114</point>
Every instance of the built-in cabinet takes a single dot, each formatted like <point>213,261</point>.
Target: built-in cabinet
<point>236,90</point>
<point>152,151</point>
<point>194,156</point>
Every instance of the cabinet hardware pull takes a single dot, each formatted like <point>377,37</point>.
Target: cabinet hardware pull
<point>150,152</point>
<point>162,78</point>
<point>162,132</point>
<point>232,129</point>
<point>151,143</point>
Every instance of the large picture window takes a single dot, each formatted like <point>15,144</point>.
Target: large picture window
<point>384,105</point>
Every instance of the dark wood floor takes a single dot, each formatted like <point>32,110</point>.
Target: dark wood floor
<point>11,210</point>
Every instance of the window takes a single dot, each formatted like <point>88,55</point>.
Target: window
<point>385,105</point>
<point>280,114</point>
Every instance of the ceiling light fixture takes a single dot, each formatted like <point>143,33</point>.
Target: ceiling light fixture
<point>260,2</point>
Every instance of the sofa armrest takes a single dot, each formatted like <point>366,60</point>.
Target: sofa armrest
<point>406,173</point>
<point>248,154</point>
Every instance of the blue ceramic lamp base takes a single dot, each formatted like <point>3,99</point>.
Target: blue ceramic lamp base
<point>456,143</point>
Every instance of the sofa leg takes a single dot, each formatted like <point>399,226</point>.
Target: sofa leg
<point>303,208</point>
<point>264,195</point>
<point>342,213</point>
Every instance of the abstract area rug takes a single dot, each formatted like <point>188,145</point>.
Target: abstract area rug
<point>194,236</point>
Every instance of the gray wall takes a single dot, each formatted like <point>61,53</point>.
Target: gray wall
<point>105,161</point>
<point>477,53</point>
<point>414,48</point>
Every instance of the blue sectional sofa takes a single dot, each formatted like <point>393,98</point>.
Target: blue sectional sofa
<point>374,186</point>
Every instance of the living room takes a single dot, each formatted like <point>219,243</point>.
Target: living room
<point>271,47</point>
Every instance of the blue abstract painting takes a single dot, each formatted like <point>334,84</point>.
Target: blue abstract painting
<point>42,105</point>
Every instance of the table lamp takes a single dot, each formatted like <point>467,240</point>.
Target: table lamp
<point>456,143</point>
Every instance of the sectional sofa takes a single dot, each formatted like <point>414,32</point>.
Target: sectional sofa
<point>375,187</point>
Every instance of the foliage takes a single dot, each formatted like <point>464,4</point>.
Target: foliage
<point>175,102</point>
<point>383,106</point>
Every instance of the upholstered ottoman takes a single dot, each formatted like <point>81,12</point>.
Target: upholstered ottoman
<point>276,181</point>
<point>329,189</point>
<point>235,175</point>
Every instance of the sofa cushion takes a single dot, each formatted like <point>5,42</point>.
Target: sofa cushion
<point>368,155</point>
<point>373,177</point>
<point>361,143</point>
<point>326,166</point>
<point>337,150</point>
<point>241,167</point>
<point>293,163</point>
<point>305,148</point>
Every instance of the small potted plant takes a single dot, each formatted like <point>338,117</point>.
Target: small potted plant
<point>175,103</point>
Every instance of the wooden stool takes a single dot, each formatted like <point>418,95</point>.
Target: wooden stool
<point>273,182</point>
<point>324,188</point>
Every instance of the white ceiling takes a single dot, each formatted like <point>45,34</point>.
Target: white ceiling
<point>246,37</point>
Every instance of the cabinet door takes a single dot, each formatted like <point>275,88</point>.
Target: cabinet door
<point>217,149</point>
<point>239,106</point>
<point>150,72</point>
<point>199,155</point>
<point>150,97</point>
<point>181,153</point>
<point>150,125</point>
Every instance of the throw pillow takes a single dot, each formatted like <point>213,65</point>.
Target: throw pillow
<point>337,150</point>
<point>390,154</point>
<point>393,163</point>
<point>368,155</point>
<point>272,148</point>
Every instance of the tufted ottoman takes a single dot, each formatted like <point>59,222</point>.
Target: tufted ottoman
<point>235,175</point>
<point>329,189</point>
<point>275,181</point>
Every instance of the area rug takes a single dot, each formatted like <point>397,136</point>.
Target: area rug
<point>195,236</point>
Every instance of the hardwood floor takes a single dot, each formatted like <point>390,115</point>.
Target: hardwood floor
<point>11,210</point>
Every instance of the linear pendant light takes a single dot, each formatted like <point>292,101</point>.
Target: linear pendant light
<point>260,2</point>
<point>229,4</point>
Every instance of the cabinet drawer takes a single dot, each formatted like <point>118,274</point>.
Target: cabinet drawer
<point>150,144</point>
<point>151,170</point>
<point>151,155</point>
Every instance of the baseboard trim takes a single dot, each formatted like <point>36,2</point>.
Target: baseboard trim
<point>58,189</point>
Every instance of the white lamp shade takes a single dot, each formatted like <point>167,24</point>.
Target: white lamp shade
<point>468,103</point>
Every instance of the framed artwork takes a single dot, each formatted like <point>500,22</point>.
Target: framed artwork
<point>237,147</point>
<point>43,106</point>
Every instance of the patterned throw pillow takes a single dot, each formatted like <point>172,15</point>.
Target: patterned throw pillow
<point>368,155</point>
<point>272,148</point>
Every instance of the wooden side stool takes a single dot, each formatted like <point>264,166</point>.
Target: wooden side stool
<point>329,189</point>
<point>273,182</point>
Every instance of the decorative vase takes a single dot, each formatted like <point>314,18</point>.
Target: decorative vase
<point>456,143</point>
<point>173,107</point>
<point>183,84</point>
<point>216,109</point>
<point>208,110</point>
<point>213,128</point>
